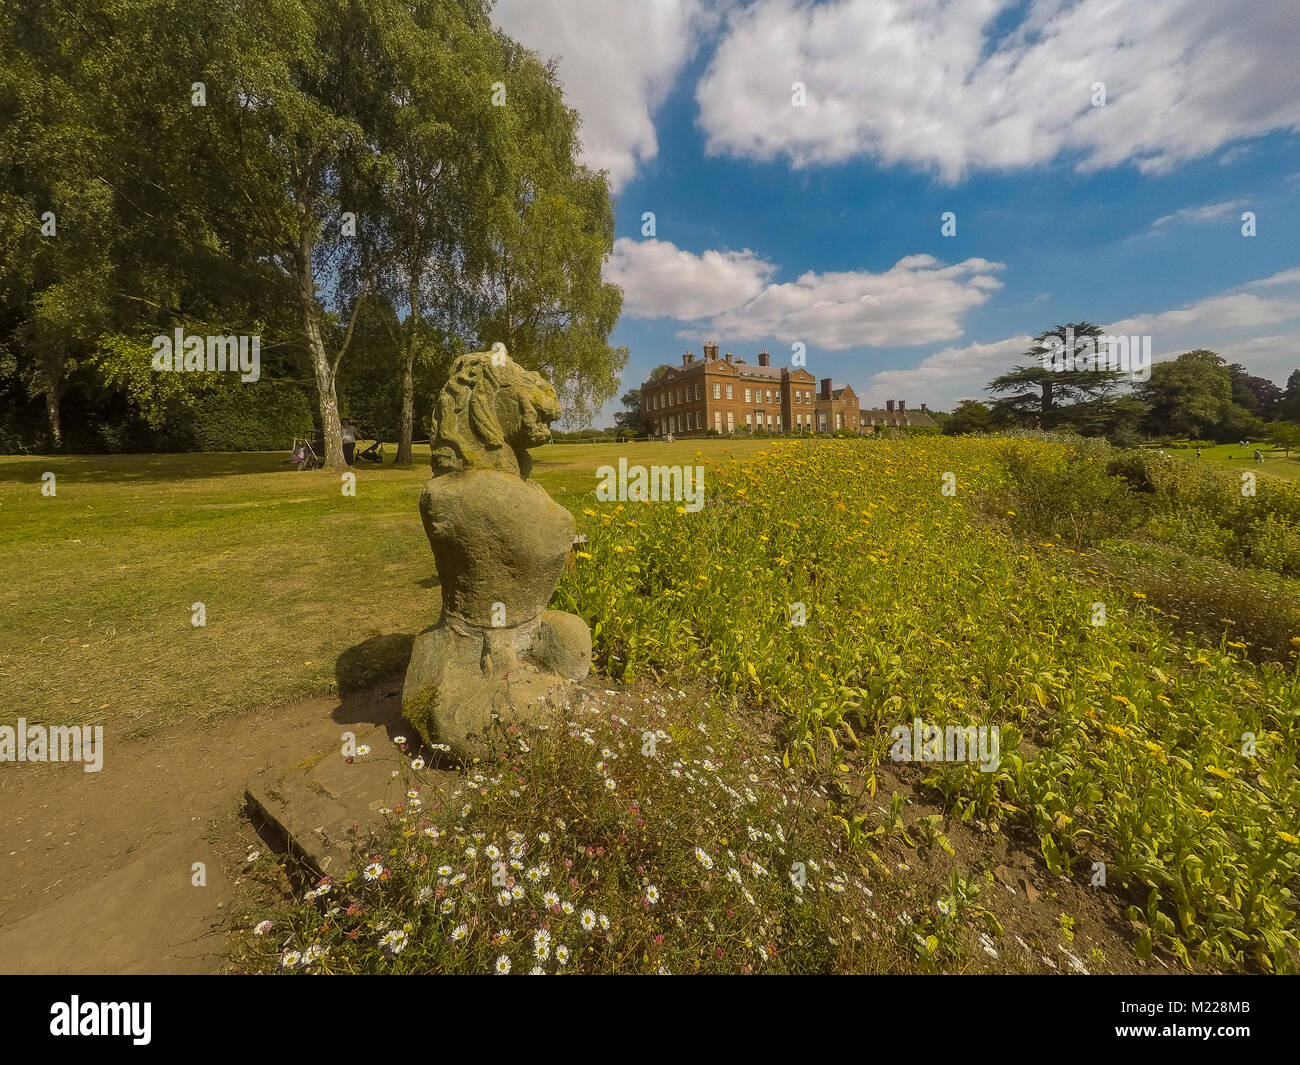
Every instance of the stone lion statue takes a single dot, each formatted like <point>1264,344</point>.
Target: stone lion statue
<point>500,544</point>
<point>490,412</point>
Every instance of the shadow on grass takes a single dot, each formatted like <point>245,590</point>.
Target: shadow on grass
<point>375,659</point>
<point>166,467</point>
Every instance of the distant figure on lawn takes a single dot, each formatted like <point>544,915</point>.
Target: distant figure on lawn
<point>1259,455</point>
<point>1198,452</point>
<point>349,432</point>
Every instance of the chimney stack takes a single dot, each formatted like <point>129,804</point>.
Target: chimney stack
<point>710,349</point>
<point>764,359</point>
<point>889,404</point>
<point>826,388</point>
<point>902,406</point>
<point>728,356</point>
<point>687,358</point>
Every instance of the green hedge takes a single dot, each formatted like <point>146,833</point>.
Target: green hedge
<point>262,416</point>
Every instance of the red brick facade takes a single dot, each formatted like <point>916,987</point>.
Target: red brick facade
<point>729,395</point>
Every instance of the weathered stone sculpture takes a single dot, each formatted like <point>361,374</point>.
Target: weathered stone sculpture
<point>500,544</point>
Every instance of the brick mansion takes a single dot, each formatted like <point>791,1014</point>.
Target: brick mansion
<point>729,395</point>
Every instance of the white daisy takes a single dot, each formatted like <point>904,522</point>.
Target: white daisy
<point>394,941</point>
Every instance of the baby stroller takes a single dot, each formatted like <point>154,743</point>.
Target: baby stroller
<point>304,456</point>
<point>374,453</point>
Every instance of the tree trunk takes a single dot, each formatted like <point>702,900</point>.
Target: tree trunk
<point>329,404</point>
<point>408,383</point>
<point>331,431</point>
<point>52,397</point>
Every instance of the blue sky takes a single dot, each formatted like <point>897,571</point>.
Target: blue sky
<point>820,223</point>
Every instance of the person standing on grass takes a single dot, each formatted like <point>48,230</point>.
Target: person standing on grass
<point>1198,452</point>
<point>1259,456</point>
<point>349,432</point>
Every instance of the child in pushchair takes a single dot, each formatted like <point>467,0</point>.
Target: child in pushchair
<point>304,456</point>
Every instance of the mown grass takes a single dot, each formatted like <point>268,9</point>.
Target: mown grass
<point>1277,463</point>
<point>305,590</point>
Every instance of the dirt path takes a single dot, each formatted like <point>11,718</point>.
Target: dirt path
<point>98,868</point>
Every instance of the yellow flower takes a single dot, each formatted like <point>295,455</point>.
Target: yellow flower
<point>581,554</point>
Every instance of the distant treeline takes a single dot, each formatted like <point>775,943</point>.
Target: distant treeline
<point>1197,396</point>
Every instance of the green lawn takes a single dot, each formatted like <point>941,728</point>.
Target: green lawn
<point>305,589</point>
<point>1275,464</point>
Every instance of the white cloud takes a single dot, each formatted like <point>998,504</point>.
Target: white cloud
<point>1195,216</point>
<point>917,301</point>
<point>617,62</point>
<point>660,280</point>
<point>1274,357</point>
<point>1216,316</point>
<point>1230,323</point>
<point>925,83</point>
<point>947,376</point>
